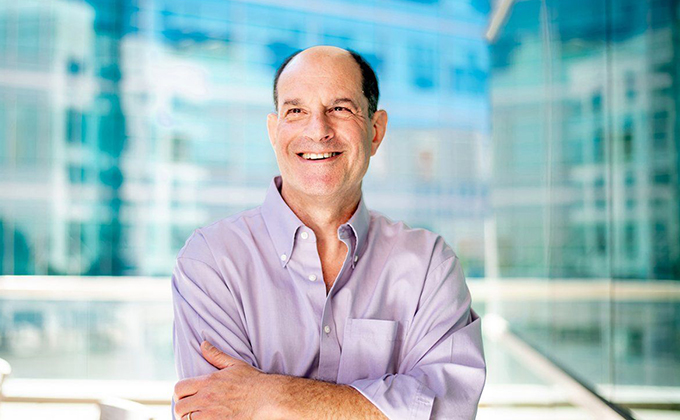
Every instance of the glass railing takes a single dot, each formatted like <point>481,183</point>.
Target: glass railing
<point>81,339</point>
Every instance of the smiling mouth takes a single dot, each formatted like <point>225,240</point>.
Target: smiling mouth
<point>318,156</point>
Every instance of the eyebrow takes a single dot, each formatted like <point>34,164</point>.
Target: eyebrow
<point>345,100</point>
<point>297,102</point>
<point>294,102</point>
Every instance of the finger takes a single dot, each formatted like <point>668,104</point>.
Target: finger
<point>196,415</point>
<point>186,387</point>
<point>216,358</point>
<point>185,406</point>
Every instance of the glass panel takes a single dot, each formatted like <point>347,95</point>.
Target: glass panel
<point>546,155</point>
<point>581,98</point>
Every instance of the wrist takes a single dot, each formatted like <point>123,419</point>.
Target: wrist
<point>274,402</point>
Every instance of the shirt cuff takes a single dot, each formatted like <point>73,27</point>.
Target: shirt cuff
<point>398,396</point>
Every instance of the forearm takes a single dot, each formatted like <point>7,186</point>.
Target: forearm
<point>302,398</point>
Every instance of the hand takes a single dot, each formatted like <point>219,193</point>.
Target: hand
<point>236,391</point>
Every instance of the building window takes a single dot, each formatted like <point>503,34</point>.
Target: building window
<point>423,67</point>
<point>77,174</point>
<point>596,102</point>
<point>630,86</point>
<point>662,177</point>
<point>628,145</point>
<point>470,78</point>
<point>74,67</point>
<point>598,146</point>
<point>27,130</point>
<point>631,240</point>
<point>600,238</point>
<point>75,126</point>
<point>180,149</point>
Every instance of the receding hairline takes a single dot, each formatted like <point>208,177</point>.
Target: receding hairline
<point>321,52</point>
<point>291,62</point>
<point>371,94</point>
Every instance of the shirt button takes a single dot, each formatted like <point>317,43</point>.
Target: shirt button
<point>283,257</point>
<point>312,277</point>
<point>304,235</point>
<point>356,258</point>
<point>327,329</point>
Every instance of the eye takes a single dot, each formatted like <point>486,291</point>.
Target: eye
<point>294,111</point>
<point>340,109</point>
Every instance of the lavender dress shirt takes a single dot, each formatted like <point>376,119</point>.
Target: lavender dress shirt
<point>397,324</point>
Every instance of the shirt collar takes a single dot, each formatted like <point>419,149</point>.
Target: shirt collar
<point>280,220</point>
<point>358,223</point>
<point>282,224</point>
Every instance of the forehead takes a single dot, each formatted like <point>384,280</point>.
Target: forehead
<point>319,75</point>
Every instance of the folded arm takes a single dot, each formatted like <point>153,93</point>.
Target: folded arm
<point>441,372</point>
<point>207,386</point>
<point>239,390</point>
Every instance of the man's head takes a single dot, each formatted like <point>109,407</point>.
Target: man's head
<point>369,81</point>
<point>326,127</point>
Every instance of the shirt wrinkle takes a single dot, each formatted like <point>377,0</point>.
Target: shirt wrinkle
<point>431,274</point>
<point>295,328</point>
<point>201,261</point>
<point>207,245</point>
<point>241,315</point>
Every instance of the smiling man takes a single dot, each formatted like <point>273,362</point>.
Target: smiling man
<point>311,305</point>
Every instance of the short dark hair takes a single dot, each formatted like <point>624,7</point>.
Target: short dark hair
<point>369,81</point>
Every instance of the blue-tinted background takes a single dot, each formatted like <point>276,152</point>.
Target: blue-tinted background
<point>127,124</point>
<point>540,140</point>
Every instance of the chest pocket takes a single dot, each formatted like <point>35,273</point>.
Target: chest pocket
<point>368,349</point>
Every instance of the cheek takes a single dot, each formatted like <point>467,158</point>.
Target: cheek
<point>284,136</point>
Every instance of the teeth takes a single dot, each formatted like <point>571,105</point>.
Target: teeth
<point>316,156</point>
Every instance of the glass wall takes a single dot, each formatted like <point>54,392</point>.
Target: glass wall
<point>127,124</point>
<point>539,137</point>
<point>585,185</point>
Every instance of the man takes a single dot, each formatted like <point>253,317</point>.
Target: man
<point>311,306</point>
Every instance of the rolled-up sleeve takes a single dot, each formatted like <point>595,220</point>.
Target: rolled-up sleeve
<point>442,370</point>
<point>204,309</point>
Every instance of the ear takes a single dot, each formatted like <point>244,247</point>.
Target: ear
<point>272,121</point>
<point>379,123</point>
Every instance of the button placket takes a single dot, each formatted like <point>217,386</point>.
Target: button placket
<point>329,351</point>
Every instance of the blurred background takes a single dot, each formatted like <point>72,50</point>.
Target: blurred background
<point>539,137</point>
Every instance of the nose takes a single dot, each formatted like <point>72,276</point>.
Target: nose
<point>318,127</point>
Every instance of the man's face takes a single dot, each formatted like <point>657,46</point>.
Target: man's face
<point>322,135</point>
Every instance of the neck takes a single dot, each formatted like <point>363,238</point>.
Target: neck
<point>322,214</point>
